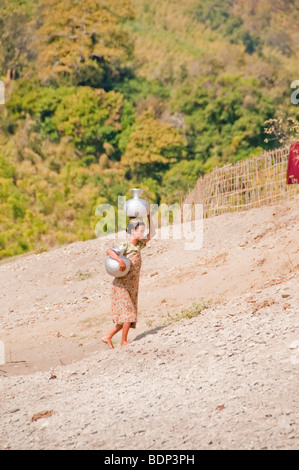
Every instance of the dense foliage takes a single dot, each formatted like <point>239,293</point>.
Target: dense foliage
<point>102,96</point>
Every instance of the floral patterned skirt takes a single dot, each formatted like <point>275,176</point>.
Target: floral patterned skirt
<point>124,296</point>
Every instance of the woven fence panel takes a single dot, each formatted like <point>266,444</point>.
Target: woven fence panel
<point>252,182</point>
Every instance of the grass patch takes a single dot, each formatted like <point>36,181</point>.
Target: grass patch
<point>82,276</point>
<point>187,313</point>
<point>40,249</point>
<point>91,322</point>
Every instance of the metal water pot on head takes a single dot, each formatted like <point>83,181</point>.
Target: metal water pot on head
<point>136,207</point>
<point>112,266</point>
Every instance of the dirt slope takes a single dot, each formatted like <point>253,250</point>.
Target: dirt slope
<point>225,379</point>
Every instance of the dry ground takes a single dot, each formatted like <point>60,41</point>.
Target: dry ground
<point>227,378</point>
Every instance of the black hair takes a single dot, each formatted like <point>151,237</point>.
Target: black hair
<point>133,224</point>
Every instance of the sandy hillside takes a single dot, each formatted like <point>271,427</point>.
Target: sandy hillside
<point>227,378</point>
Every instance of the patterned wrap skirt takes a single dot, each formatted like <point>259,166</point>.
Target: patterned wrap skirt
<point>124,296</point>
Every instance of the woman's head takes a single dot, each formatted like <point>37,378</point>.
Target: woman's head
<point>136,229</point>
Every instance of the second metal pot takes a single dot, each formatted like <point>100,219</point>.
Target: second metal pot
<point>136,207</point>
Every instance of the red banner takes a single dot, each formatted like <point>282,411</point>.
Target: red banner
<point>293,164</point>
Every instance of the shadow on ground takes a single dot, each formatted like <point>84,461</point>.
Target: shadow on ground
<point>149,332</point>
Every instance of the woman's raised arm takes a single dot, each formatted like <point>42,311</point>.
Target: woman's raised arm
<point>152,230</point>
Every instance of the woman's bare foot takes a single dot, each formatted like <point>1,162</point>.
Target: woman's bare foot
<point>124,336</point>
<point>108,341</point>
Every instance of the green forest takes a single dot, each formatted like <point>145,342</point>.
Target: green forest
<point>105,95</point>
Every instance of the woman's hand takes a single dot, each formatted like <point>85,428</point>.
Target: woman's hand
<point>122,265</point>
<point>113,255</point>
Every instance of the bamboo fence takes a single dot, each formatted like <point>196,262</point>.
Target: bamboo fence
<point>252,182</point>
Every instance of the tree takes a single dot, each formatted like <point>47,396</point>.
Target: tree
<point>225,116</point>
<point>82,41</point>
<point>179,178</point>
<point>92,118</point>
<point>153,148</point>
<point>17,24</point>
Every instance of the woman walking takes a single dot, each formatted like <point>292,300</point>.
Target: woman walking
<point>124,298</point>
